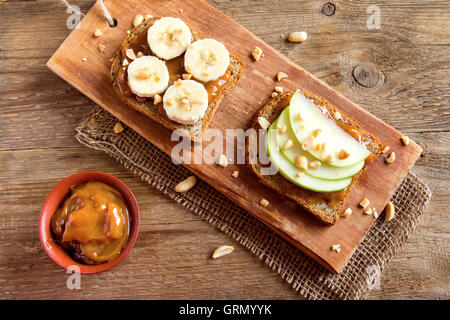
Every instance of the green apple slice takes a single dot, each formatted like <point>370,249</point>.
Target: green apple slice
<point>334,137</point>
<point>289,171</point>
<point>325,171</point>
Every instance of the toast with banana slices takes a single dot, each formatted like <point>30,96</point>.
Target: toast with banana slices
<point>168,72</point>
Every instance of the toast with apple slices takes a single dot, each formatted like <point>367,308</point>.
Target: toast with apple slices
<point>157,112</point>
<point>326,206</point>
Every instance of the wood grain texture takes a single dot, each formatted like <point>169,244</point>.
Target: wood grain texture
<point>37,149</point>
<point>236,112</point>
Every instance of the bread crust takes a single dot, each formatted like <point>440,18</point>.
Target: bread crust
<point>156,112</point>
<point>314,202</point>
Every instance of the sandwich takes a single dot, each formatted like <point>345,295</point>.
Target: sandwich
<point>317,151</point>
<point>168,72</point>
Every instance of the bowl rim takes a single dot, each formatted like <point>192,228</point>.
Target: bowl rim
<point>54,200</point>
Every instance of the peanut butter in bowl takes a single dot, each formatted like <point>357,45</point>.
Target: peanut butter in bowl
<point>92,224</point>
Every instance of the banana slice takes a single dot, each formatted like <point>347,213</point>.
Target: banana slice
<point>169,37</point>
<point>207,60</point>
<point>186,101</point>
<point>148,76</point>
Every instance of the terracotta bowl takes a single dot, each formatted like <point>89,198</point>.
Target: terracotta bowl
<point>55,199</point>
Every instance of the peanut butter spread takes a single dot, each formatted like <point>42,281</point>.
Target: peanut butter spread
<point>93,223</point>
<point>175,66</point>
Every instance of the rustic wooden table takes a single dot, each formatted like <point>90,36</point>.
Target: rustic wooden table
<point>400,73</point>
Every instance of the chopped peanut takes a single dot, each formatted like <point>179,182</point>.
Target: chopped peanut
<point>97,33</point>
<point>364,203</point>
<point>142,75</point>
<point>263,122</point>
<point>222,251</point>
<point>322,147</point>
<point>264,203</point>
<point>282,130</point>
<point>138,19</point>
<point>223,161</point>
<point>337,115</point>
<point>308,143</point>
<point>130,54</point>
<point>101,47</point>
<point>288,145</point>
<point>405,140</point>
<point>316,133</point>
<point>298,36</point>
<point>281,76</point>
<point>279,89</point>
<point>301,162</point>
<point>390,212</point>
<point>118,128</point>
<point>374,213</point>
<point>186,185</point>
<point>315,165</point>
<point>391,158</point>
<point>346,213</point>
<point>336,248</point>
<point>299,174</point>
<point>257,53</point>
<point>343,154</point>
<point>157,99</point>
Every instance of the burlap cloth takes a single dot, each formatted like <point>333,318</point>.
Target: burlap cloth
<point>306,276</point>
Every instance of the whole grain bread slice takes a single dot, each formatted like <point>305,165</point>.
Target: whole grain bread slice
<point>156,112</point>
<point>322,205</point>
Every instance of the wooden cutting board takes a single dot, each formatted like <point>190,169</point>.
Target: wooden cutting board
<point>236,111</point>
